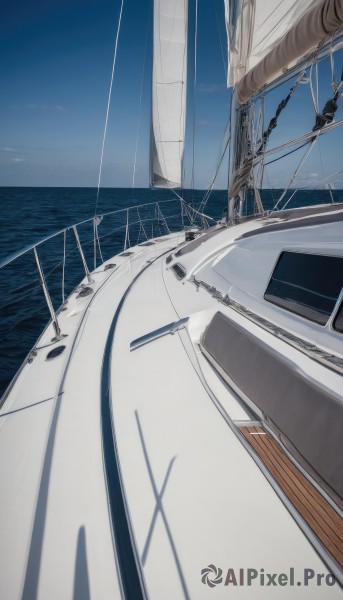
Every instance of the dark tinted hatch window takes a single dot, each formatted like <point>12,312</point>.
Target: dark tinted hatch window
<point>338,322</point>
<point>306,284</point>
<point>179,271</point>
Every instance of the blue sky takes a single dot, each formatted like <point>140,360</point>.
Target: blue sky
<point>56,60</point>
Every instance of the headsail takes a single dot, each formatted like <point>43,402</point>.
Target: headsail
<point>168,93</point>
<point>266,37</point>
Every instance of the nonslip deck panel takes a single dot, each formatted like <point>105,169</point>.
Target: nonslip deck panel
<point>324,521</point>
<point>299,220</point>
<point>302,410</point>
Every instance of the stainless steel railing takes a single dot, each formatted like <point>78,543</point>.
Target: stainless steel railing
<point>51,264</point>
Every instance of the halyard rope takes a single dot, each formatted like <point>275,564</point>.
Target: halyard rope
<point>108,104</point>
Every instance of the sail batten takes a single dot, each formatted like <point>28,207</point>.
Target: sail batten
<point>168,93</point>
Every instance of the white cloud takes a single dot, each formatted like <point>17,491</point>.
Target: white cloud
<point>211,88</point>
<point>7,149</point>
<point>33,106</point>
<point>17,160</point>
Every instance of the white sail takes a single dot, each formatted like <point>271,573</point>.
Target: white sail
<point>266,37</point>
<point>168,93</point>
<point>255,27</point>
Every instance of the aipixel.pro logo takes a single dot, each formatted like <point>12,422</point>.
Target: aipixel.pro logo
<point>211,576</point>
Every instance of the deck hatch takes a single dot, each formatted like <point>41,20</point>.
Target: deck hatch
<point>179,271</point>
<point>306,284</point>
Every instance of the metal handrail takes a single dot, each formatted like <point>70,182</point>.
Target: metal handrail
<point>12,257</point>
<point>154,214</point>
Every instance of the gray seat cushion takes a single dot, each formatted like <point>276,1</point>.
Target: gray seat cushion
<point>310,416</point>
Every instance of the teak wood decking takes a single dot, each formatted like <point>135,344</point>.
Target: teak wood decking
<point>324,521</point>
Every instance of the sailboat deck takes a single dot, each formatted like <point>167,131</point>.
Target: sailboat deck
<point>186,492</point>
<point>181,463</point>
<point>324,521</point>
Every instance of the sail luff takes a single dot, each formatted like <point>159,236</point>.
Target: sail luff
<point>168,93</point>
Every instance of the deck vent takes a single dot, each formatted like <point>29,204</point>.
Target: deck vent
<point>55,352</point>
<point>109,266</point>
<point>169,259</point>
<point>147,244</point>
<point>86,291</point>
<point>179,271</point>
<point>126,253</point>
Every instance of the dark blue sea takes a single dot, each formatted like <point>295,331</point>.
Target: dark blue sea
<point>28,215</point>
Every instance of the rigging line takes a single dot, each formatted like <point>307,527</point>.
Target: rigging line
<point>194,89</point>
<point>108,104</point>
<point>282,105</point>
<point>39,286</point>
<point>257,196</point>
<point>185,207</point>
<point>191,208</point>
<point>210,187</point>
<point>183,91</point>
<point>303,159</point>
<point>141,224</point>
<point>317,84</point>
<point>331,194</point>
<point>301,138</point>
<point>176,194</point>
<point>220,39</point>
<point>94,242</point>
<point>227,132</point>
<point>327,178</point>
<point>98,240</point>
<point>269,186</point>
<point>140,97</point>
<point>332,63</point>
<point>320,158</point>
<point>64,263</point>
<point>163,218</point>
<point>127,239</point>
<point>315,104</point>
<point>286,154</point>
<point>262,112</point>
<point>289,199</point>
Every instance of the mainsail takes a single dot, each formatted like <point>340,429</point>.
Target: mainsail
<point>168,93</point>
<point>268,37</point>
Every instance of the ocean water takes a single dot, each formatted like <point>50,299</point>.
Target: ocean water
<point>30,214</point>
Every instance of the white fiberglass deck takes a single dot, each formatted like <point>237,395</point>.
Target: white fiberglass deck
<point>191,491</point>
